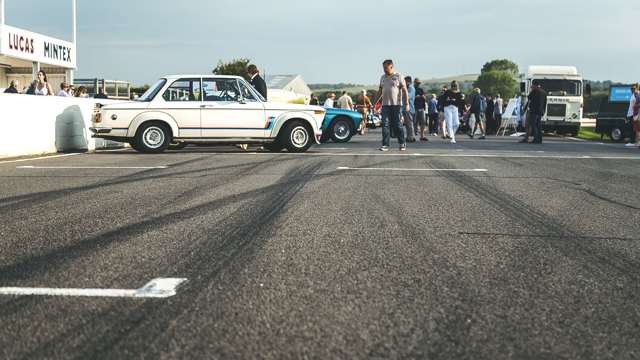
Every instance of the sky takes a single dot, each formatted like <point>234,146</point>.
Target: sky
<point>332,41</point>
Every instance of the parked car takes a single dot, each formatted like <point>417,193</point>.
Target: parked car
<point>340,125</point>
<point>195,109</point>
<point>612,116</point>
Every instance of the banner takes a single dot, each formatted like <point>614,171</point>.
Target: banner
<point>27,45</point>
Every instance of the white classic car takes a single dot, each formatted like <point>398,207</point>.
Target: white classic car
<point>190,109</point>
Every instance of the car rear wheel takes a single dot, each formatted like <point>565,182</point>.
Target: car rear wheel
<point>297,137</point>
<point>153,138</point>
<point>616,135</point>
<point>341,130</point>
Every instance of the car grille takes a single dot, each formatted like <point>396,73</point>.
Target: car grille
<point>557,110</point>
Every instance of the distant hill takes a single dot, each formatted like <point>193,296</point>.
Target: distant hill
<point>466,79</point>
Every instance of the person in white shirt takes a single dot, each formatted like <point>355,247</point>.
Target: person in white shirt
<point>329,103</point>
<point>65,90</point>
<point>632,104</point>
<point>345,101</point>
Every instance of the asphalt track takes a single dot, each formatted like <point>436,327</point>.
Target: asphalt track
<point>479,250</point>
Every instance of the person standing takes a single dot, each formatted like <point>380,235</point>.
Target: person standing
<point>416,86</point>
<point>314,100</point>
<point>478,106</point>
<point>345,102</point>
<point>329,103</point>
<point>636,116</point>
<point>537,107</point>
<point>632,104</point>
<point>410,116</point>
<point>441,100</point>
<point>42,87</point>
<point>420,106</point>
<point>13,87</point>
<point>488,115</point>
<point>497,113</point>
<point>453,105</point>
<point>392,91</point>
<point>65,90</point>
<point>363,105</point>
<point>433,115</point>
<point>257,81</point>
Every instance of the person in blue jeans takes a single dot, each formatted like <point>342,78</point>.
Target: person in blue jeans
<point>395,99</point>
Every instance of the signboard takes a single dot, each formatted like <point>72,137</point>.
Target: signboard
<point>27,45</point>
<point>620,94</point>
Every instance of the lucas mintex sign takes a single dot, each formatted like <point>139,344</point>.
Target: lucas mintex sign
<point>31,46</point>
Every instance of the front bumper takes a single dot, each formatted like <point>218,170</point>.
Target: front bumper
<point>100,130</point>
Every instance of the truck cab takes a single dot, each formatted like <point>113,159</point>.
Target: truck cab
<point>565,102</point>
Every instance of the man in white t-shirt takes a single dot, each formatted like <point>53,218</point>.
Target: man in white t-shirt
<point>632,104</point>
<point>329,103</point>
<point>345,101</point>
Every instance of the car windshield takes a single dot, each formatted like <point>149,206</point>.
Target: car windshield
<point>560,87</point>
<point>153,91</point>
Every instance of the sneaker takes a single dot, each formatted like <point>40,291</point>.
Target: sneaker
<point>403,147</point>
<point>453,141</point>
<point>424,139</point>
<point>482,137</point>
<point>630,145</point>
<point>384,148</point>
<point>470,136</point>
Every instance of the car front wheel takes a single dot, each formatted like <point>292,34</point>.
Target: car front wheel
<point>341,131</point>
<point>297,137</point>
<point>153,138</point>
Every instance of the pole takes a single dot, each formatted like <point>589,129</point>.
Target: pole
<point>1,12</point>
<point>70,72</point>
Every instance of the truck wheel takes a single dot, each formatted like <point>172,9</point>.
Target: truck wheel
<point>341,130</point>
<point>616,135</point>
<point>296,137</point>
<point>153,138</point>
<point>177,145</point>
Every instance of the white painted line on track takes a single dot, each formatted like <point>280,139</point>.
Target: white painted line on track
<point>405,169</point>
<point>498,156</point>
<point>92,167</point>
<point>39,158</point>
<point>157,288</point>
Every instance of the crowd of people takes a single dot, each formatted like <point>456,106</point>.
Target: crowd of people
<point>409,114</point>
<point>42,87</point>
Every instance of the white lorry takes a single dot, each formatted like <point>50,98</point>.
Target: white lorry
<point>565,102</point>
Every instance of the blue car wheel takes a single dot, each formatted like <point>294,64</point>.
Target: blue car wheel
<point>341,130</point>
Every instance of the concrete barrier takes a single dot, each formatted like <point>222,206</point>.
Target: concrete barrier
<point>35,125</point>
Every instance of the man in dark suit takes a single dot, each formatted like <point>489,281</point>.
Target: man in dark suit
<point>537,109</point>
<point>256,80</point>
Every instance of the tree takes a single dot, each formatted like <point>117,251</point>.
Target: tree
<point>499,77</point>
<point>237,67</point>
<point>501,65</point>
<point>498,82</point>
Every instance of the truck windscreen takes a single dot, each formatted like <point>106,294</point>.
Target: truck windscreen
<point>558,87</point>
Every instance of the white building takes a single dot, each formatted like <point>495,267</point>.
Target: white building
<point>288,88</point>
<point>23,53</point>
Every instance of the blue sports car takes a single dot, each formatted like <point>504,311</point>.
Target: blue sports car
<point>340,125</point>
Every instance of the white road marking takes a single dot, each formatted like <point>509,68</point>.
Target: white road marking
<point>39,158</point>
<point>91,167</point>
<point>499,156</point>
<point>405,169</point>
<point>157,288</point>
